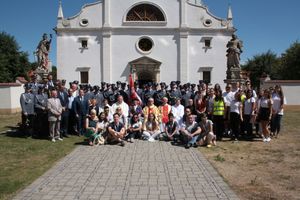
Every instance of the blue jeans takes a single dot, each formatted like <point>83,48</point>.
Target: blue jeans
<point>276,123</point>
<point>193,140</point>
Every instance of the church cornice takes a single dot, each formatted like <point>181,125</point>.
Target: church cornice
<point>117,29</point>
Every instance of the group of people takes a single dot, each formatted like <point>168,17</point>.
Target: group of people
<point>186,114</point>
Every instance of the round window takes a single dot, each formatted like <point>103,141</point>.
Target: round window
<point>208,22</point>
<point>145,44</point>
<point>84,22</point>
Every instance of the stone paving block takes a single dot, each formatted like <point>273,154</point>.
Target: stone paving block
<point>141,170</point>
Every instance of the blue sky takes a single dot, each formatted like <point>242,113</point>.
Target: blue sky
<point>262,24</point>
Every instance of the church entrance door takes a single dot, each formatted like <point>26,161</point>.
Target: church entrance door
<point>145,70</point>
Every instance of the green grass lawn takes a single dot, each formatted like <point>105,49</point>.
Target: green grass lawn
<point>25,159</point>
<point>9,121</point>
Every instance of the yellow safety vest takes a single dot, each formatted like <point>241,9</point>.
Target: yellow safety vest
<point>218,108</point>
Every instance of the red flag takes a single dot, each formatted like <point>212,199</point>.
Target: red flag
<point>133,94</point>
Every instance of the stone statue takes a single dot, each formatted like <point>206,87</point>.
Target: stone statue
<point>42,52</point>
<point>233,52</point>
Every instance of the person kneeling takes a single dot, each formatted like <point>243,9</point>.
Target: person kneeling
<point>207,136</point>
<point>116,131</point>
<point>190,131</point>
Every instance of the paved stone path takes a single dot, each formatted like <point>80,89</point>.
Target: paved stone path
<point>142,170</point>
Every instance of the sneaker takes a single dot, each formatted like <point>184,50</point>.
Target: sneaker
<point>264,139</point>
<point>151,139</point>
<point>208,146</point>
<point>60,139</point>
<point>132,140</point>
<point>187,146</point>
<point>53,140</point>
<point>268,139</point>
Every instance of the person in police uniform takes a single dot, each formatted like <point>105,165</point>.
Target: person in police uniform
<point>173,93</point>
<point>34,85</point>
<point>109,94</point>
<point>160,94</point>
<point>148,93</point>
<point>40,107</point>
<point>122,92</point>
<point>98,95</point>
<point>28,114</point>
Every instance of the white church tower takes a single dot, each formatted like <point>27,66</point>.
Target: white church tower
<point>155,40</point>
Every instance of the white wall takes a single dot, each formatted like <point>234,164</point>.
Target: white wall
<point>10,98</point>
<point>214,57</point>
<point>124,50</point>
<point>71,57</point>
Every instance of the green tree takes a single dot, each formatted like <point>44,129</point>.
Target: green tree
<point>13,62</point>
<point>290,62</point>
<point>265,63</point>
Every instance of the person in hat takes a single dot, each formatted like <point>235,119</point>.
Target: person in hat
<point>160,94</point>
<point>40,108</point>
<point>148,93</point>
<point>34,84</point>
<point>173,94</point>
<point>28,113</point>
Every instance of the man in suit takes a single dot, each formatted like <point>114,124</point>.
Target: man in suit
<point>54,116</point>
<point>81,108</point>
<point>50,83</point>
<point>64,100</point>
<point>28,114</point>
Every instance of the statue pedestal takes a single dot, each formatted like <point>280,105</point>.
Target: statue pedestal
<point>234,76</point>
<point>41,74</point>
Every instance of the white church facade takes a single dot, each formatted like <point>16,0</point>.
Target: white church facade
<point>155,40</point>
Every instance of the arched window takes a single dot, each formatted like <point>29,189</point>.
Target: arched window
<point>145,12</point>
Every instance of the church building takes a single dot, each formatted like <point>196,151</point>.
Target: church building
<point>155,40</point>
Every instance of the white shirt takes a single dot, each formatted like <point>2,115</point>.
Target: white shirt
<point>248,106</point>
<point>277,103</point>
<point>178,112</point>
<point>235,106</point>
<point>71,99</point>
<point>264,102</point>
<point>228,97</point>
<point>123,106</point>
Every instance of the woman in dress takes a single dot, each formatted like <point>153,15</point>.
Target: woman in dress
<point>92,127</point>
